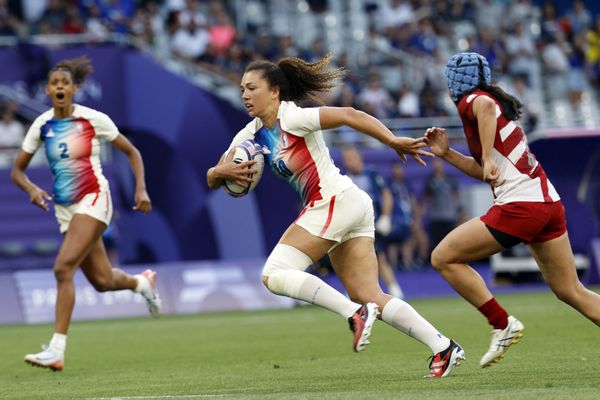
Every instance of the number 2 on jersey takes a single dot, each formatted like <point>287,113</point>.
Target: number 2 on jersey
<point>64,150</point>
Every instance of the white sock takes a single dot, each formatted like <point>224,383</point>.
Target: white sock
<point>307,287</point>
<point>142,283</point>
<point>402,316</point>
<point>58,343</point>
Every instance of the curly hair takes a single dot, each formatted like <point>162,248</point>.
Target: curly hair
<point>79,68</point>
<point>299,80</point>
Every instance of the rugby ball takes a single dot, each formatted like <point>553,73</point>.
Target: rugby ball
<point>246,151</point>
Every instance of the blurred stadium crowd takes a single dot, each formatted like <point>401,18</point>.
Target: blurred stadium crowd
<point>397,45</point>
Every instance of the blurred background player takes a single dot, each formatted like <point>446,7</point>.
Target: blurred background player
<point>370,181</point>
<point>408,242</point>
<point>442,203</point>
<point>338,217</point>
<point>527,209</point>
<point>71,135</point>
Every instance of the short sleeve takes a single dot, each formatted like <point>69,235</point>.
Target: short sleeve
<point>105,127</point>
<point>301,121</point>
<point>245,133</point>
<point>33,138</point>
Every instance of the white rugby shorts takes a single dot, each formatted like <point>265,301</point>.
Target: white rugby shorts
<point>96,205</point>
<point>342,217</point>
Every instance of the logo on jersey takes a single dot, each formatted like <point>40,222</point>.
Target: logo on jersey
<point>279,167</point>
<point>50,133</point>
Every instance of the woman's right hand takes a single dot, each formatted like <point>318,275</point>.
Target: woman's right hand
<point>239,173</point>
<point>39,197</point>
<point>437,141</point>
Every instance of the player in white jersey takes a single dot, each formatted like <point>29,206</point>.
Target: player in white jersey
<point>526,208</point>
<point>71,136</point>
<point>338,217</point>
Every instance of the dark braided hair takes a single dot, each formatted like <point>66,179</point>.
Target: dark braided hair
<point>297,79</point>
<point>79,68</point>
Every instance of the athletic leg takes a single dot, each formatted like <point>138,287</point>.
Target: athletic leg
<point>284,273</point>
<point>98,270</point>
<point>355,263</point>
<point>79,239</point>
<point>468,242</point>
<point>555,259</point>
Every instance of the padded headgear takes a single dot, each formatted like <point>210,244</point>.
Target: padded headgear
<point>464,72</point>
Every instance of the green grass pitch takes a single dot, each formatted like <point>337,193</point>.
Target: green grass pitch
<point>305,353</point>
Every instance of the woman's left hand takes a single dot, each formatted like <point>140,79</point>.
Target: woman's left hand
<point>142,201</point>
<point>412,147</point>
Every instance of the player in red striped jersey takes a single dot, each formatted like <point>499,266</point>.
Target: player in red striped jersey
<point>527,209</point>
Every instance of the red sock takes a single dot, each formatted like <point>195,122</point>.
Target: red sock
<point>495,314</point>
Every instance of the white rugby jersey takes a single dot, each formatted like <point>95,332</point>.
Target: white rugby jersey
<point>73,150</point>
<point>524,178</point>
<point>298,152</point>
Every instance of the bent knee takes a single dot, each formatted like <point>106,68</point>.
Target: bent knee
<point>365,295</point>
<point>102,285</point>
<point>568,294</point>
<point>439,259</point>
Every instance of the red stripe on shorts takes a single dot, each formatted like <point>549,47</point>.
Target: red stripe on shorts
<point>331,204</point>
<point>95,198</point>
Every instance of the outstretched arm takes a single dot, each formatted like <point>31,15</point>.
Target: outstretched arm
<point>142,200</point>
<point>334,117</point>
<point>437,140</point>
<point>37,196</point>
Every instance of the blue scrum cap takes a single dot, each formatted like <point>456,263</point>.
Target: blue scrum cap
<point>464,71</point>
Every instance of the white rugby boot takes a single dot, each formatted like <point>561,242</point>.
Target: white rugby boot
<point>502,339</point>
<point>150,293</point>
<point>47,358</point>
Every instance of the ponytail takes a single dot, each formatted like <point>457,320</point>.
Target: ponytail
<point>79,68</point>
<point>511,106</point>
<point>298,79</point>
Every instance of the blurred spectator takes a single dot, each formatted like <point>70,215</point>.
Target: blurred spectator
<point>407,233</point>
<point>375,186</point>
<point>520,52</point>
<point>579,17</point>
<point>95,25</point>
<point>549,23</point>
<point>10,24</point>
<point>424,41</point>
<point>441,198</point>
<point>116,13</point>
<point>556,63</point>
<point>222,33</point>
<point>73,22</point>
<point>576,77</point>
<point>190,42</point>
<point>408,102</point>
<point>491,48</point>
<point>53,17</point>
<point>395,13</point>
<point>12,133</point>
<point>430,103</point>
<point>376,96</point>
<point>191,12</point>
